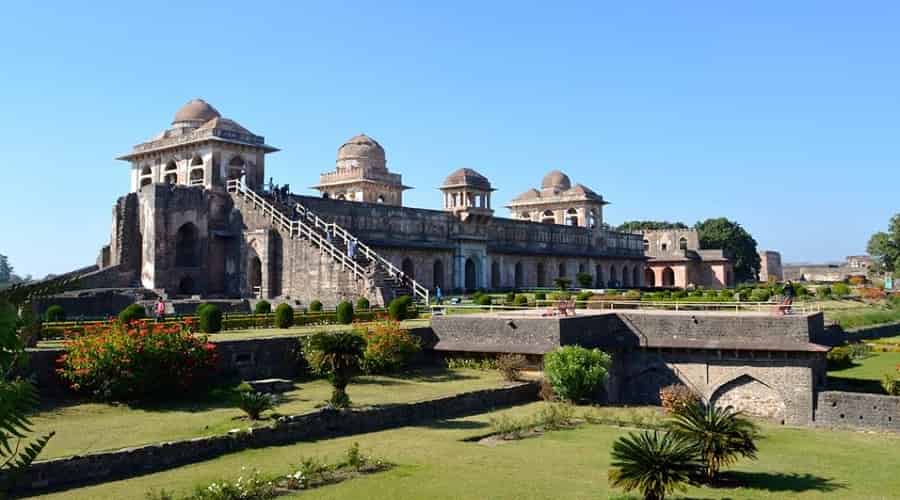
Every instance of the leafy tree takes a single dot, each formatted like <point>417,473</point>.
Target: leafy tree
<point>650,225</point>
<point>884,247</point>
<point>338,356</point>
<point>654,463</point>
<point>574,372</point>
<point>722,435</point>
<point>735,241</point>
<point>585,280</point>
<point>6,270</point>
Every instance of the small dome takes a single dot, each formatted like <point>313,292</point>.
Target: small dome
<point>556,180</point>
<point>196,110</point>
<point>362,147</point>
<point>467,177</point>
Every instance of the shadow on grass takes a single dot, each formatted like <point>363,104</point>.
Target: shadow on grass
<point>454,425</point>
<point>855,385</point>
<point>779,482</point>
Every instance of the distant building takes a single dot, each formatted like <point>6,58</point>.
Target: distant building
<point>676,260</point>
<point>854,265</point>
<point>770,266</point>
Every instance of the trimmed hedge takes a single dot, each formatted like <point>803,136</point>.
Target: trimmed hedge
<point>362,304</point>
<point>484,300</point>
<point>55,313</point>
<point>315,306</point>
<point>284,316</point>
<point>132,313</point>
<point>210,318</point>
<point>398,309</point>
<point>262,307</point>
<point>344,313</point>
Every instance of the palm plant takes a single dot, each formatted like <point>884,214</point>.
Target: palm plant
<point>336,355</point>
<point>722,435</point>
<point>255,403</point>
<point>655,463</point>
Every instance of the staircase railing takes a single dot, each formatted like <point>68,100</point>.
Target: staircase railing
<point>296,228</point>
<point>418,290</point>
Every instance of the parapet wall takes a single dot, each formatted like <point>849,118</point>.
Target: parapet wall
<point>856,410</point>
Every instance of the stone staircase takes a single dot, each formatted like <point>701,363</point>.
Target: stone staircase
<point>296,221</point>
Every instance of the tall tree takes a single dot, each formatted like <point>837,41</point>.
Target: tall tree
<point>6,270</point>
<point>739,246</point>
<point>642,225</point>
<point>885,247</point>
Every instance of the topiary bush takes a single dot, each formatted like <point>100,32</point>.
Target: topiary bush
<point>575,372</point>
<point>344,313</point>
<point>315,306</point>
<point>131,313</point>
<point>398,309</point>
<point>284,316</point>
<point>584,280</point>
<point>262,307</point>
<point>510,297</point>
<point>484,300</point>
<point>210,317</point>
<point>362,304</point>
<point>540,296</point>
<point>520,300</point>
<point>55,313</point>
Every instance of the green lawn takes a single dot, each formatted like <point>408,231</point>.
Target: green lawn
<point>87,427</point>
<point>865,375</point>
<point>435,463</point>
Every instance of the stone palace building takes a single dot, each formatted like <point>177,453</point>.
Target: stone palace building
<point>200,221</point>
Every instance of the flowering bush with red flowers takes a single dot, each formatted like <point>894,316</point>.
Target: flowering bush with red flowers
<point>138,360</point>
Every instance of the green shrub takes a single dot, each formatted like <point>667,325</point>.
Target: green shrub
<point>344,313</point>
<point>510,428</point>
<point>483,300</point>
<point>632,295</point>
<point>511,366</point>
<point>510,297</point>
<point>560,296</point>
<point>483,363</point>
<point>398,309</point>
<point>840,289</point>
<point>389,347</point>
<point>726,294</point>
<point>284,316</point>
<point>679,294</point>
<point>315,306</point>
<point>520,300</point>
<point>696,294</point>
<point>823,292</point>
<point>859,350</point>
<point>131,313</point>
<point>262,307</point>
<point>584,295</point>
<point>255,403</point>
<point>540,296</point>
<point>711,295</point>
<point>55,313</point>
<point>760,295</point>
<point>891,384</point>
<point>800,290</point>
<point>557,416</point>
<point>210,318</point>
<point>575,372</point>
<point>585,280</point>
<point>562,283</point>
<point>337,356</point>
<point>839,358</point>
<point>362,304</point>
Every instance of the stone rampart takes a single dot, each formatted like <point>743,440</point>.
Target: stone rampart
<point>857,410</point>
<point>63,473</point>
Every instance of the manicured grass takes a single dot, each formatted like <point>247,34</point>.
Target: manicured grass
<point>872,368</point>
<point>435,463</point>
<point>868,316</point>
<point>88,427</point>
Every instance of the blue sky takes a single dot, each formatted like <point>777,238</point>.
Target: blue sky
<point>780,115</point>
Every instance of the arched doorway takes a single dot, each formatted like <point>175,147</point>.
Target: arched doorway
<point>649,277</point>
<point>599,278</point>
<point>254,275</point>
<point>236,168</point>
<point>682,243</point>
<point>520,278</point>
<point>408,268</point>
<point>572,217</point>
<point>186,246</point>
<point>548,217</point>
<point>438,274</point>
<point>626,277</point>
<point>495,275</point>
<point>668,277</point>
<point>561,270</point>
<point>541,275</point>
<point>471,282</point>
<point>613,277</point>
<point>636,277</point>
<point>186,286</point>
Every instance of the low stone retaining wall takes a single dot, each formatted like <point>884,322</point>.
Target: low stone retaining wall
<point>858,410</point>
<point>63,473</point>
